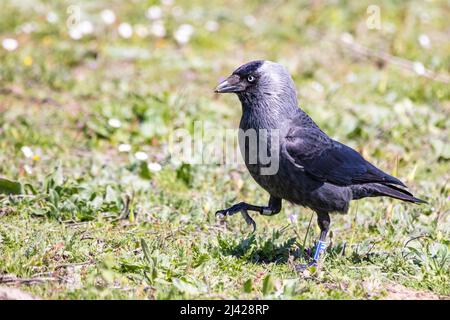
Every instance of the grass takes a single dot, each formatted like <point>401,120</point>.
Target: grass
<point>85,221</point>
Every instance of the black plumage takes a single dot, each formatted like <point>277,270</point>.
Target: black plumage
<point>314,170</point>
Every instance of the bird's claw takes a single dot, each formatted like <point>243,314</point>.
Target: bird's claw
<point>222,214</point>
<point>249,220</point>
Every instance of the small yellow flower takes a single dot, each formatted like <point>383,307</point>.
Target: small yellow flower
<point>160,43</point>
<point>47,41</point>
<point>28,61</point>
<point>36,157</point>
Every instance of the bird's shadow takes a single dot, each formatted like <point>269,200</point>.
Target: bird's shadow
<point>261,250</point>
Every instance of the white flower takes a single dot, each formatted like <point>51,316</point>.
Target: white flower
<point>391,97</point>
<point>249,21</point>
<point>125,30</point>
<point>389,27</point>
<point>419,68</point>
<point>142,156</point>
<point>351,77</point>
<point>52,17</point>
<point>115,123</point>
<point>212,26</point>
<point>155,167</point>
<point>317,86</point>
<point>86,27</point>
<point>425,16</point>
<point>141,30</point>
<point>177,11</point>
<point>108,16</point>
<point>28,169</point>
<point>347,38</point>
<point>424,41</point>
<point>157,29</point>
<point>75,33</point>
<point>27,152</point>
<point>28,27</point>
<point>404,106</point>
<point>183,34</point>
<point>184,218</point>
<point>154,13</point>
<point>124,147</point>
<point>10,44</point>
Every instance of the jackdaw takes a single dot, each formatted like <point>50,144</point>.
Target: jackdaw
<point>313,170</point>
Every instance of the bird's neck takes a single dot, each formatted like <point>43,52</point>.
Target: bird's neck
<point>266,111</point>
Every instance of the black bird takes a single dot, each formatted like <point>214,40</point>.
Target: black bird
<point>313,170</point>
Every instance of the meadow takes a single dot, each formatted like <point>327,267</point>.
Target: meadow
<point>93,205</point>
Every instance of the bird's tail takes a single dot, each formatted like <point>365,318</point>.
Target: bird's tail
<point>378,189</point>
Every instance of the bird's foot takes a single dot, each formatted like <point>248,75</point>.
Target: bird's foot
<point>314,264</point>
<point>240,207</point>
<point>306,266</point>
<point>230,211</point>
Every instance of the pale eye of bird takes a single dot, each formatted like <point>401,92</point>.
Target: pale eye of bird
<point>250,78</point>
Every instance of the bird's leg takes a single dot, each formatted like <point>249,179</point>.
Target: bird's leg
<point>323,220</point>
<point>324,224</point>
<point>272,208</point>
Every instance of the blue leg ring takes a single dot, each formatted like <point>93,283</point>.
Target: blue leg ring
<point>321,245</point>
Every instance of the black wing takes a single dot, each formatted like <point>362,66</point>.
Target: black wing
<point>327,160</point>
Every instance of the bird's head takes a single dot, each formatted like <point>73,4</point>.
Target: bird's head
<point>259,78</point>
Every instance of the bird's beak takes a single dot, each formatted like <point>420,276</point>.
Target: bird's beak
<point>231,84</point>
